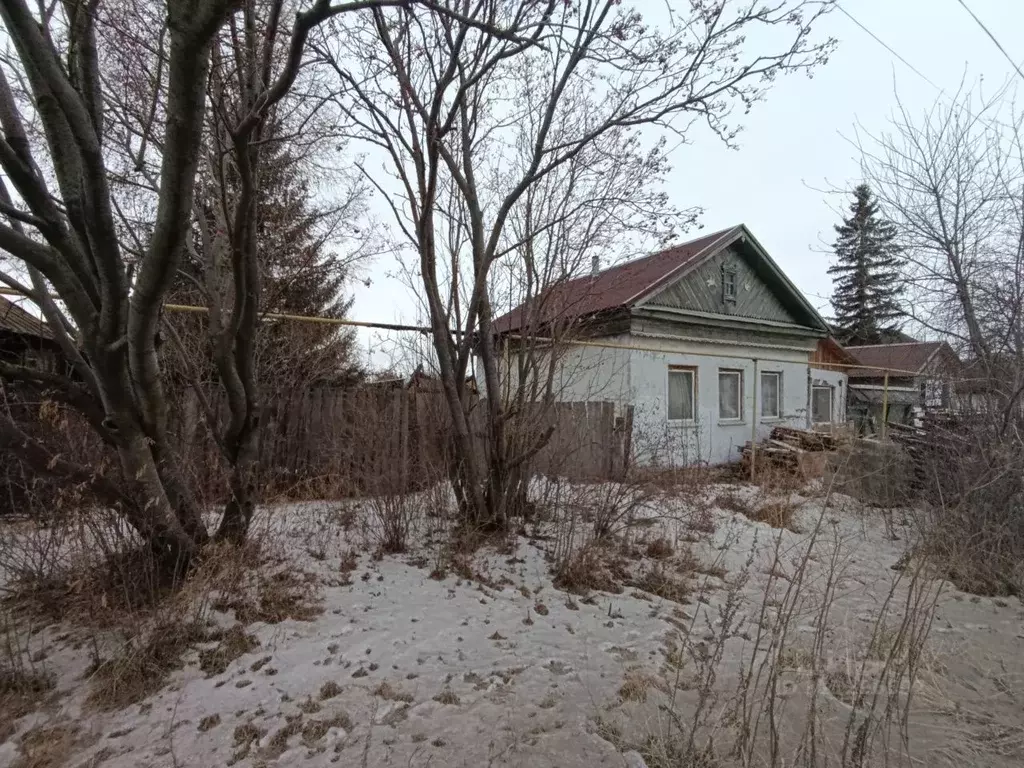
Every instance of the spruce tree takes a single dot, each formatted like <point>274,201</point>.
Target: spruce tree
<point>300,274</point>
<point>866,274</point>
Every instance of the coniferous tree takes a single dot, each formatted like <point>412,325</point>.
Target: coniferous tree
<point>300,274</point>
<point>866,274</point>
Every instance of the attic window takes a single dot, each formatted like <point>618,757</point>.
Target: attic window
<point>729,284</point>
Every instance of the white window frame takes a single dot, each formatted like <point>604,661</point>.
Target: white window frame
<point>739,395</point>
<point>681,369</point>
<point>729,279</point>
<point>778,396</point>
<point>831,403</point>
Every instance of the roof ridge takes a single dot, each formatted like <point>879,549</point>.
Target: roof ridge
<point>662,251</point>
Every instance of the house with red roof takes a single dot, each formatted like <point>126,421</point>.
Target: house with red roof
<point>708,343</point>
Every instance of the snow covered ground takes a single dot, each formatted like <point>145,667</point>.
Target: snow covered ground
<point>498,667</point>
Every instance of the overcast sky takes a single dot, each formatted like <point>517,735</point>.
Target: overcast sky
<point>795,146</point>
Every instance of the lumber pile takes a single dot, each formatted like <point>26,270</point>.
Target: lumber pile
<point>804,439</point>
<point>791,449</point>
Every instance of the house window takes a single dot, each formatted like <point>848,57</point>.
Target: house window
<point>728,284</point>
<point>821,405</point>
<point>771,394</point>
<point>730,395</point>
<point>681,393</point>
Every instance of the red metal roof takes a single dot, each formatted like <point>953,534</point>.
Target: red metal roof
<point>14,319</point>
<point>613,288</point>
<point>898,359</point>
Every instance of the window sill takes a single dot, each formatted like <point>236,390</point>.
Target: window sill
<point>771,419</point>
<point>731,422</point>
<point>681,423</point>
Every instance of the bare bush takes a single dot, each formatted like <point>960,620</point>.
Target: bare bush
<point>392,517</point>
<point>972,525</point>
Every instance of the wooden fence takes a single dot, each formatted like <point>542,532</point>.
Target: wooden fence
<point>371,441</point>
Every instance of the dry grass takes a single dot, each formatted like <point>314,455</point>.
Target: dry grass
<point>776,511</point>
<point>243,737</point>
<point>287,594</point>
<point>658,581</point>
<point>208,723</point>
<point>586,571</point>
<point>660,548</point>
<point>389,692</point>
<point>329,690</point>
<point>95,593</point>
<point>636,685</point>
<point>143,665</point>
<point>47,747</point>
<point>233,644</point>
<point>448,696</point>
<point>21,691</point>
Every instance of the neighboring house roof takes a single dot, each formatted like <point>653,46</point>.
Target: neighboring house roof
<point>901,360</point>
<point>14,319</point>
<point>626,284</point>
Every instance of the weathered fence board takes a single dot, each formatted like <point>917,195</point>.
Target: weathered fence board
<point>367,441</point>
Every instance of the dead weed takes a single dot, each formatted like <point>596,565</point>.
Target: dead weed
<point>658,581</point>
<point>47,747</point>
<point>586,571</point>
<point>233,644</point>
<point>144,664</point>
<point>21,692</point>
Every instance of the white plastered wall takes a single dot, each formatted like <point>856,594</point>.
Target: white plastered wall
<point>633,369</point>
<point>708,438</point>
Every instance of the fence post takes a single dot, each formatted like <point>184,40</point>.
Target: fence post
<point>885,406</point>
<point>753,425</point>
<point>403,438</point>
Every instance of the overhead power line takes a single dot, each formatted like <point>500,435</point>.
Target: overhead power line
<point>548,341</point>
<point>991,123</point>
<point>889,48</point>
<point>991,37</point>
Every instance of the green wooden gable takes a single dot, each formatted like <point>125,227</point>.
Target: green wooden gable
<point>739,281</point>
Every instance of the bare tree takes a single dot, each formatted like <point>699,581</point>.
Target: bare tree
<point>72,234</point>
<point>472,124</point>
<point>952,180</point>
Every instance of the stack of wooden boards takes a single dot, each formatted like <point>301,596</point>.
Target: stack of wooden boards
<point>788,448</point>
